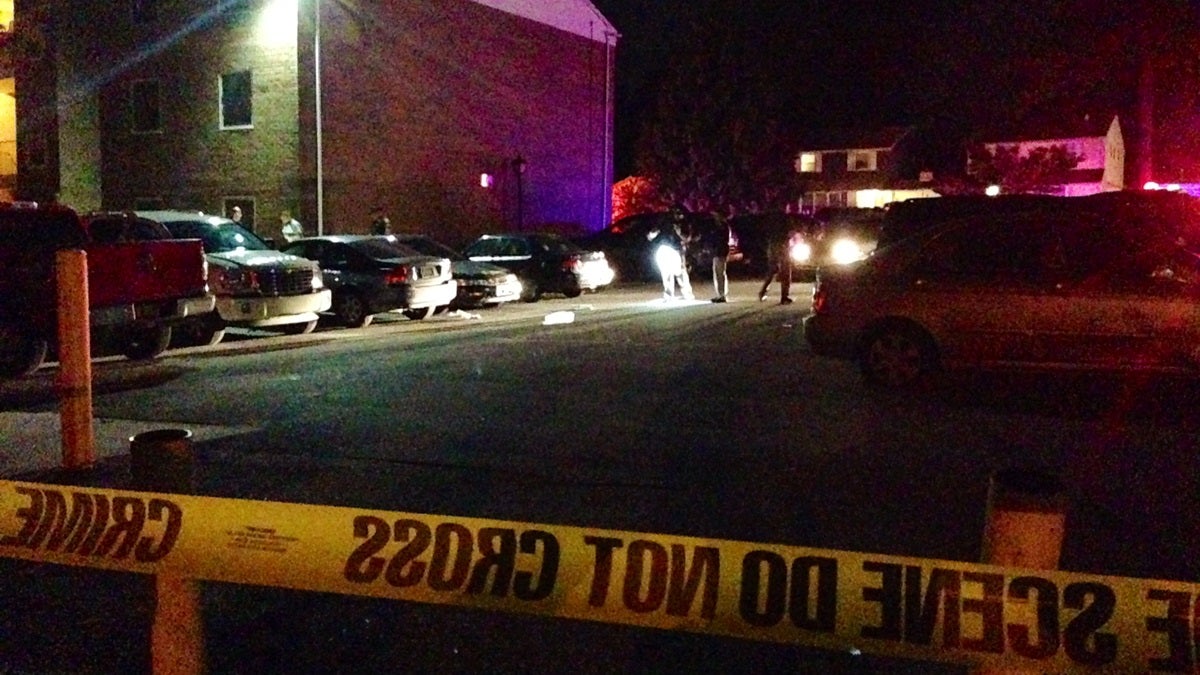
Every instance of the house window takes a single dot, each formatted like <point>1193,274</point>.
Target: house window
<point>809,162</point>
<point>146,106</point>
<point>236,101</point>
<point>860,160</point>
<point>144,11</point>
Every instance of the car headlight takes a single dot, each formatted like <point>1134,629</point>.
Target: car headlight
<point>800,252</point>
<point>318,279</point>
<point>846,251</point>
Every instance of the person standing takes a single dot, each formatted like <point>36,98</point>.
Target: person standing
<point>381,224</point>
<point>289,227</point>
<point>670,255</point>
<point>716,242</point>
<point>235,214</point>
<point>779,259</point>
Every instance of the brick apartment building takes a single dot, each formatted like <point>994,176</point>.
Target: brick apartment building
<point>453,116</point>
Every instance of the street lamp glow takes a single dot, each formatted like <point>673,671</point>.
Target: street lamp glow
<point>277,23</point>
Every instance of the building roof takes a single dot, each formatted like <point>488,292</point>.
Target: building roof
<point>574,16</point>
<point>1050,129</point>
<point>852,139</point>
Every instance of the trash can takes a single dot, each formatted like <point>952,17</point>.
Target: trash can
<point>160,460</point>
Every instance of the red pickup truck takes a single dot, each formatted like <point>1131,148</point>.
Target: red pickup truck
<point>136,289</point>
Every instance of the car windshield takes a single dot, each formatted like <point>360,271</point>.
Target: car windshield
<point>429,247</point>
<point>218,237</point>
<point>382,248</point>
<point>559,246</point>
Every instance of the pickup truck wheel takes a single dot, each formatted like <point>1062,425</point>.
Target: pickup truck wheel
<point>351,310</point>
<point>20,354</point>
<point>146,342</point>
<point>299,328</point>
<point>418,314</point>
<point>199,332</point>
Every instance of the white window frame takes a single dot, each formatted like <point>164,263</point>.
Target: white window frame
<point>808,162</point>
<point>870,157</point>
<point>221,99</point>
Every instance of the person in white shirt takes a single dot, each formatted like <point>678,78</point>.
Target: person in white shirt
<point>289,227</point>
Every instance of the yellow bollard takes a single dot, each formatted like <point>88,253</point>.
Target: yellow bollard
<point>75,360</point>
<point>1026,523</point>
<point>160,460</point>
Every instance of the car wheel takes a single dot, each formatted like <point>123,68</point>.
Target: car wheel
<point>530,291</point>
<point>20,354</point>
<point>572,291</point>
<point>418,314</point>
<point>302,328</point>
<point>203,331</point>
<point>351,310</point>
<point>440,309</point>
<point>897,355</point>
<point>146,342</point>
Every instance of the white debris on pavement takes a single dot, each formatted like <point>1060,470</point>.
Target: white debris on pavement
<point>554,318</point>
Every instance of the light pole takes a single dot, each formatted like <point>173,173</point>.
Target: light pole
<point>518,165</point>
<point>317,115</point>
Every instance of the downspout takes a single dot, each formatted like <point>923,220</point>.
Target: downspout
<point>606,174</point>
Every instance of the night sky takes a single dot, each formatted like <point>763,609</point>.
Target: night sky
<point>857,62</point>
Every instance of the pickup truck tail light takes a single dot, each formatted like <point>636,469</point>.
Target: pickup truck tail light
<point>398,275</point>
<point>820,298</point>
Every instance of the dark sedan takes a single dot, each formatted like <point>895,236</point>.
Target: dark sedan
<point>627,243</point>
<point>480,284</point>
<point>545,263</point>
<point>371,274</point>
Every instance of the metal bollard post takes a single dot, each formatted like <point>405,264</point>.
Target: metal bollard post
<point>75,360</point>
<point>1026,519</point>
<point>1026,522</point>
<point>160,460</point>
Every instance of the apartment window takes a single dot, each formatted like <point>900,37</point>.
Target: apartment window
<point>146,106</point>
<point>236,100</point>
<point>809,162</point>
<point>860,160</point>
<point>144,11</point>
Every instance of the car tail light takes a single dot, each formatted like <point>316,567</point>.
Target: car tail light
<point>571,264</point>
<point>398,275</point>
<point>820,298</point>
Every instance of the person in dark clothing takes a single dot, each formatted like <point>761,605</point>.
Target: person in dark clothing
<point>381,224</point>
<point>716,242</point>
<point>779,259</point>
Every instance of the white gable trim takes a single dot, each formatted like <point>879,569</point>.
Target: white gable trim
<point>574,16</point>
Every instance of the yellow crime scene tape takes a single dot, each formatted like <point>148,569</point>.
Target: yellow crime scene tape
<point>917,608</point>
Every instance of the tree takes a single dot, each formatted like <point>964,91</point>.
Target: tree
<point>713,140</point>
<point>1042,170</point>
<point>634,195</point>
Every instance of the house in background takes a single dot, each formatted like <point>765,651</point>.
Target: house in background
<point>453,117</point>
<point>1098,142</point>
<point>865,168</point>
